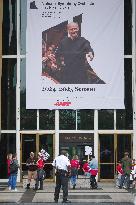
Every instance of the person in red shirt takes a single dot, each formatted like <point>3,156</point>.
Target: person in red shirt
<point>74,170</point>
<point>119,174</point>
<point>40,171</point>
<point>9,160</point>
<point>86,169</point>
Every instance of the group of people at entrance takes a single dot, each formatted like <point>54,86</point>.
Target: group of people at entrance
<point>66,169</point>
<point>90,169</point>
<point>36,169</point>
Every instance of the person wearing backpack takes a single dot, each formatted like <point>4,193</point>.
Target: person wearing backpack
<point>14,171</point>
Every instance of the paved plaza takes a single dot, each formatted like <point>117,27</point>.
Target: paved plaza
<point>106,194</point>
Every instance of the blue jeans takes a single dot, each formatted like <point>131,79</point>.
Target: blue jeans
<point>9,181</point>
<point>125,180</point>
<point>13,181</point>
<point>73,179</point>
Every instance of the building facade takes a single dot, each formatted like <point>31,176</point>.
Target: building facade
<point>109,133</point>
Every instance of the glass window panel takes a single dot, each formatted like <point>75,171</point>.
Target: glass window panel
<point>125,117</point>
<point>28,145</point>
<point>49,171</point>
<point>107,171</point>
<point>75,143</point>
<point>7,145</point>
<point>23,12</point>
<point>46,143</point>
<point>105,119</point>
<point>8,94</point>
<point>127,27</point>
<point>124,120</point>
<point>47,119</point>
<point>28,118</point>
<point>67,119</point>
<point>9,40</point>
<point>85,119</point>
<point>123,145</point>
<point>106,148</point>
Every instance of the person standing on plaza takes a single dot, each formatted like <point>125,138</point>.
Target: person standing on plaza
<point>32,169</point>
<point>86,168</point>
<point>119,174</point>
<point>62,166</point>
<point>14,171</point>
<point>74,170</point>
<point>40,171</point>
<point>9,159</point>
<point>126,163</point>
<point>93,165</point>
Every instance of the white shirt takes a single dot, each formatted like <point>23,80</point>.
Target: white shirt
<point>61,162</point>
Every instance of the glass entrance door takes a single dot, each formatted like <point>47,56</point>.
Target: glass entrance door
<point>34,143</point>
<point>111,151</point>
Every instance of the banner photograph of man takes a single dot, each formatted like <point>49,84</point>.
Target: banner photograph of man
<point>68,62</point>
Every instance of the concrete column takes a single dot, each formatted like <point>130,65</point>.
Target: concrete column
<point>56,133</point>
<point>1,19</point>
<point>134,74</point>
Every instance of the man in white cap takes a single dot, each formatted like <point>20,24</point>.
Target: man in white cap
<point>62,166</point>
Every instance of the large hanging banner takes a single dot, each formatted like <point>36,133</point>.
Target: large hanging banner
<point>75,54</point>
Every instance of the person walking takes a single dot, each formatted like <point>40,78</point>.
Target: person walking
<point>126,163</point>
<point>74,170</point>
<point>93,164</point>
<point>32,169</point>
<point>62,166</point>
<point>9,160</point>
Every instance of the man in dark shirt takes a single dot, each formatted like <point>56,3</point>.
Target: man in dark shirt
<point>32,168</point>
<point>126,164</point>
<point>74,51</point>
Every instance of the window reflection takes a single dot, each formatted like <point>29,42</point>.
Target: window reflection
<point>7,145</point>
<point>23,11</point>
<point>67,119</point>
<point>105,119</point>
<point>127,27</point>
<point>85,119</point>
<point>106,148</point>
<point>28,117</point>
<point>9,40</point>
<point>8,94</point>
<point>107,171</point>
<point>47,119</point>
<point>124,119</point>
